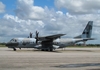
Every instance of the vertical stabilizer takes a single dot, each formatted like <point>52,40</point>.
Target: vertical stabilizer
<point>87,31</point>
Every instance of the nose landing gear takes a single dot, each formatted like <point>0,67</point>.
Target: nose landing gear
<point>14,49</point>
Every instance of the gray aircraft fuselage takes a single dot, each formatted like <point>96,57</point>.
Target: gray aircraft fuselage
<point>31,43</point>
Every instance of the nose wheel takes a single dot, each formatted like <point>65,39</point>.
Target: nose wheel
<point>14,49</point>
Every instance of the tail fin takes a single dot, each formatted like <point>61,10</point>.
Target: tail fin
<point>87,31</point>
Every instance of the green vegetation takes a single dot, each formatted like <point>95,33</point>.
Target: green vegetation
<point>77,45</point>
<point>88,45</point>
<point>2,44</point>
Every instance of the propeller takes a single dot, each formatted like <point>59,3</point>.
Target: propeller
<point>37,33</point>
<point>30,35</point>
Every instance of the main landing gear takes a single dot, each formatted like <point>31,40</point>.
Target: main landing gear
<point>47,49</point>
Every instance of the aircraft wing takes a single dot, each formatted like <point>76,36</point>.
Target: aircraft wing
<point>51,37</point>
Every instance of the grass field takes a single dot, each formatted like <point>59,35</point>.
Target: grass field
<point>2,45</point>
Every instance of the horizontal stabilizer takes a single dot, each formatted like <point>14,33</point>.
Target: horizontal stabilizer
<point>85,39</point>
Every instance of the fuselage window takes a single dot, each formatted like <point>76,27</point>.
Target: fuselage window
<point>26,42</point>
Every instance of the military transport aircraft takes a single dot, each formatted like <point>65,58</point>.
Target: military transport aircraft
<point>49,43</point>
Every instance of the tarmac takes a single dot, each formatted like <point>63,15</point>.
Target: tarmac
<point>61,59</point>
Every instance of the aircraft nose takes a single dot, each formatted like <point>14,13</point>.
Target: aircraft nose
<point>12,44</point>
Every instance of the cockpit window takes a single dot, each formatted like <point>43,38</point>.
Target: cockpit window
<point>13,40</point>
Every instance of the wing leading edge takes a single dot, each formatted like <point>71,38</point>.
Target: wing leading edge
<point>50,37</point>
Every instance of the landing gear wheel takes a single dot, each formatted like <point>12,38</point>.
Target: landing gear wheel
<point>51,49</point>
<point>20,48</point>
<point>42,49</point>
<point>14,49</point>
<point>47,50</point>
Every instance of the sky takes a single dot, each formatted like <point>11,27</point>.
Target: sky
<point>20,17</point>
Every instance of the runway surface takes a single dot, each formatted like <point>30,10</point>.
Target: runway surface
<point>68,59</point>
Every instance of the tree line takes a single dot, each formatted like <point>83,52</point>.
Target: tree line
<point>92,45</point>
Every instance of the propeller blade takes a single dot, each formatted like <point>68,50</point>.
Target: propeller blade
<point>31,35</point>
<point>37,33</point>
